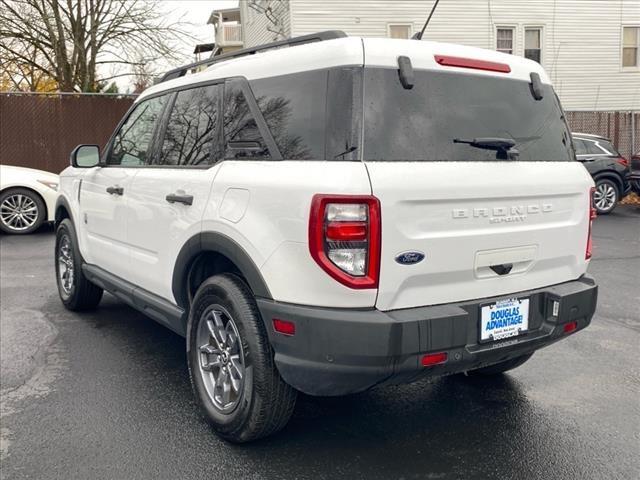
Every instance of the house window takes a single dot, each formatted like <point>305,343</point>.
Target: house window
<point>533,44</point>
<point>400,31</point>
<point>504,39</point>
<point>630,46</point>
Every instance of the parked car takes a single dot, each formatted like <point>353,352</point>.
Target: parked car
<point>27,198</point>
<point>327,214</point>
<point>607,167</point>
<point>634,173</point>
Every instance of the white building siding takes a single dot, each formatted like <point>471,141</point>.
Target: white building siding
<point>260,28</point>
<point>581,39</point>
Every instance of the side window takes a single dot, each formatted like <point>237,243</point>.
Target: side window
<point>132,145</point>
<point>242,138</point>
<point>293,106</point>
<point>581,148</point>
<point>399,30</point>
<point>533,44</point>
<point>504,40</point>
<point>593,148</point>
<point>191,137</point>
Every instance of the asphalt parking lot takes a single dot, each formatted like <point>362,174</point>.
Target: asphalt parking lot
<point>107,395</point>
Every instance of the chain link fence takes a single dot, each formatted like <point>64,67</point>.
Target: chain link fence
<point>40,130</point>
<point>623,128</point>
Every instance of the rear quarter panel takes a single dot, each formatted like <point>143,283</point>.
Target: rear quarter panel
<point>264,206</point>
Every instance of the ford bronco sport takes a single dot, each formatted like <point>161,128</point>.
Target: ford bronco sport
<point>328,213</point>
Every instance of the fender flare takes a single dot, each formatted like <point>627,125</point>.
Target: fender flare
<point>62,202</point>
<point>224,245</point>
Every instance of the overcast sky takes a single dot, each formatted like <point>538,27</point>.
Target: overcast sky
<point>197,13</point>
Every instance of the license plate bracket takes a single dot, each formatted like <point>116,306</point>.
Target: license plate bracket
<point>504,319</point>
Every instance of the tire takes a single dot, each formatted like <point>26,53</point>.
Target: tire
<point>76,292</point>
<point>500,368</point>
<point>606,196</point>
<point>259,403</point>
<point>22,211</point>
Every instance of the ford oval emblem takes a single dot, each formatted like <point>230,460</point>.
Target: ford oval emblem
<point>409,258</point>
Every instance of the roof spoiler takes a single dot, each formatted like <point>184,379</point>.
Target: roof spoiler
<point>290,42</point>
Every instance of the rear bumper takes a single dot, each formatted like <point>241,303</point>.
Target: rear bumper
<point>342,351</point>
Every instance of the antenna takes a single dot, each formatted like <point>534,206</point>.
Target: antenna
<point>418,36</point>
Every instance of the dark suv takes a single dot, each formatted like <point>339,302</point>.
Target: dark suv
<point>634,173</point>
<point>607,167</point>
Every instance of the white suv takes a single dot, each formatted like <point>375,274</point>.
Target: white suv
<point>330,213</point>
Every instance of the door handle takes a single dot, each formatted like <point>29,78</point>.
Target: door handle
<point>179,198</point>
<point>115,190</point>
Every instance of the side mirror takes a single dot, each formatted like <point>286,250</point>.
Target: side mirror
<point>85,156</point>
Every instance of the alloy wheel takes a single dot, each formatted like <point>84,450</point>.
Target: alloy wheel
<point>65,265</point>
<point>18,212</point>
<point>605,196</point>
<point>221,358</point>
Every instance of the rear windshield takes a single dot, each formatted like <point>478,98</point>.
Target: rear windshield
<point>423,122</point>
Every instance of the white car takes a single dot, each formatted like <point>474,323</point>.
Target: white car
<point>327,214</point>
<point>27,198</point>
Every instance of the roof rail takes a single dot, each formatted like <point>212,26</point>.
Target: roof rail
<point>290,42</point>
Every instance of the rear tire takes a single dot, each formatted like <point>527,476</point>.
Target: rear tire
<point>231,363</point>
<point>22,211</point>
<point>606,196</point>
<point>76,292</point>
<point>499,368</point>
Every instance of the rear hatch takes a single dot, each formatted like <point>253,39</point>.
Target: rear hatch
<point>505,215</point>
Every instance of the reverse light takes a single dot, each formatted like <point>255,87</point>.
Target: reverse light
<point>344,238</point>
<point>449,61</point>
<point>433,359</point>
<point>570,327</point>
<point>592,215</point>
<point>284,327</point>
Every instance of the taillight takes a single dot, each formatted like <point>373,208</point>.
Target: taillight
<point>623,161</point>
<point>592,215</point>
<point>344,238</point>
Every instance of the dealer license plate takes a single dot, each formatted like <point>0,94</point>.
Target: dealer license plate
<point>504,319</point>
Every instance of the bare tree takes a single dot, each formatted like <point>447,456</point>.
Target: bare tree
<point>69,40</point>
<point>143,75</point>
<point>18,74</point>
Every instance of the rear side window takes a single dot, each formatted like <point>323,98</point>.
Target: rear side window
<point>133,144</point>
<point>293,106</point>
<point>422,123</point>
<point>192,134</point>
<point>609,148</point>
<point>242,137</point>
<point>587,146</point>
<point>581,148</point>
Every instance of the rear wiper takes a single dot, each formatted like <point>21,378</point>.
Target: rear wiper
<point>346,152</point>
<point>504,146</point>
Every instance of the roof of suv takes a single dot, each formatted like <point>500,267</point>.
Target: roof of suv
<point>589,136</point>
<point>354,51</point>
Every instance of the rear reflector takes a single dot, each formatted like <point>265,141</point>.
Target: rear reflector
<point>449,61</point>
<point>623,161</point>
<point>433,359</point>
<point>570,327</point>
<point>284,327</point>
